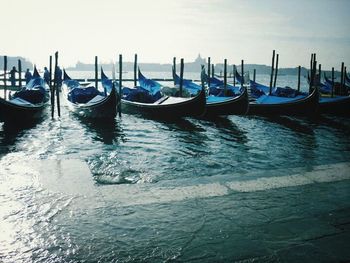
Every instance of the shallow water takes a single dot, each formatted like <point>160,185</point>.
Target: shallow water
<point>145,190</point>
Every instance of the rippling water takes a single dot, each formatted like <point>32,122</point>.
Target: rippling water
<point>66,185</point>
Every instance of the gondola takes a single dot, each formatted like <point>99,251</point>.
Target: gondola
<point>274,105</point>
<point>347,79</point>
<point>27,104</point>
<point>87,101</point>
<point>282,101</point>
<point>153,104</point>
<point>234,102</point>
<point>337,86</point>
<point>336,104</point>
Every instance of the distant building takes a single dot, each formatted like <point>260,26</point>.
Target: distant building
<point>13,62</point>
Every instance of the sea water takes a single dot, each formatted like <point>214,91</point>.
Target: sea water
<point>236,188</point>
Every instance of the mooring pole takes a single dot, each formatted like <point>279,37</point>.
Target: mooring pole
<point>20,73</point>
<point>319,74</point>
<point>5,76</point>
<point>341,79</point>
<point>120,83</point>
<point>96,72</point>
<point>56,85</point>
<point>52,92</point>
<point>225,77</point>
<point>181,76</point>
<point>50,71</point>
<point>135,71</point>
<point>208,80</point>
<point>276,72</point>
<point>254,75</point>
<point>234,75</point>
<point>314,71</point>
<point>332,82</point>
<point>212,70</point>
<point>271,76</point>
<point>242,72</point>
<point>299,71</point>
<point>311,72</point>
<point>174,70</point>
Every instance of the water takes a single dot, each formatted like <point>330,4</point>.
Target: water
<point>155,191</point>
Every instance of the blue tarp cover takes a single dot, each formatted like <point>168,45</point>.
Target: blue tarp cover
<point>82,95</point>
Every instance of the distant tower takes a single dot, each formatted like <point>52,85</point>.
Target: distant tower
<point>200,61</point>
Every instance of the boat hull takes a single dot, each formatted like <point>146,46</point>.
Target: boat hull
<point>193,107</point>
<point>337,106</point>
<point>306,106</point>
<point>11,112</point>
<point>235,106</point>
<point>104,109</point>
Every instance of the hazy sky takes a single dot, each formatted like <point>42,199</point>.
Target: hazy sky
<point>158,30</point>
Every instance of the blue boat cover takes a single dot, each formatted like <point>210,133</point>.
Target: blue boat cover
<point>35,90</point>
<point>216,88</point>
<point>82,94</point>
<point>150,85</point>
<point>270,99</point>
<point>258,90</point>
<point>189,85</point>
<point>139,94</point>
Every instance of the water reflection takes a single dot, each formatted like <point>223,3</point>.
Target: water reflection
<point>291,123</point>
<point>109,132</point>
<point>11,132</point>
<point>229,131</point>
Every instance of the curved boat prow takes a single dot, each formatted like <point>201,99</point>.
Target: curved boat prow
<point>65,75</point>
<point>36,73</point>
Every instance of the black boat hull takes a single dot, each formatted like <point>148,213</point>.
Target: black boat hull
<point>11,112</point>
<point>337,107</point>
<point>306,106</point>
<point>104,109</point>
<point>236,106</point>
<point>193,107</point>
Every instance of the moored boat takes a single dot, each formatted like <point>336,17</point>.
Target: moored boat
<point>152,103</point>
<point>234,102</point>
<point>281,101</point>
<point>26,104</point>
<point>88,101</point>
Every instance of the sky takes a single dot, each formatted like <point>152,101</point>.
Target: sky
<point>158,30</point>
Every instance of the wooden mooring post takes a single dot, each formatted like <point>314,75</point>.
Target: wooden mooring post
<point>332,82</point>
<point>120,84</point>
<point>56,85</point>
<point>96,72</point>
<point>242,72</point>
<point>50,71</point>
<point>212,70</point>
<point>234,75</point>
<point>181,76</point>
<point>135,70</point>
<point>20,73</point>
<point>5,76</point>
<point>208,80</point>
<point>174,70</point>
<point>276,71</point>
<point>299,71</point>
<point>342,90</point>
<point>225,76</point>
<point>272,66</point>
<point>254,75</point>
